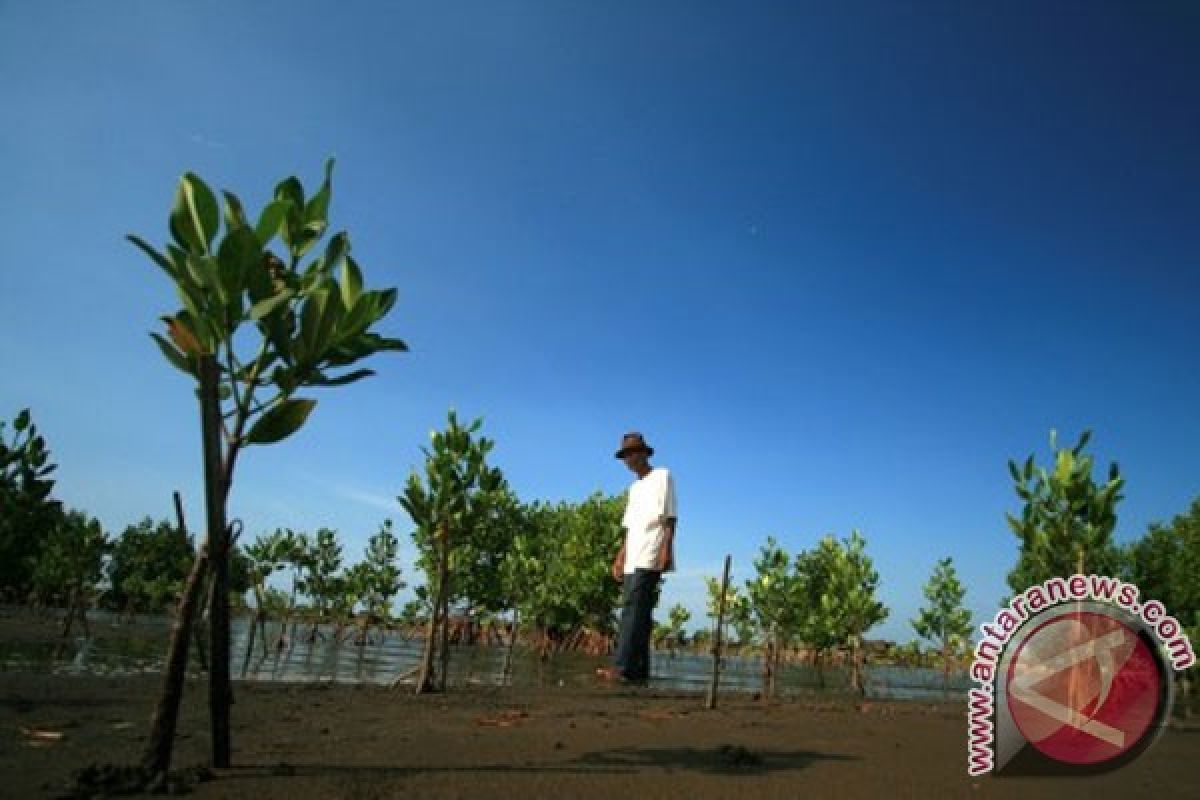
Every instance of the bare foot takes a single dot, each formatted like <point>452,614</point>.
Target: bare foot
<point>608,673</point>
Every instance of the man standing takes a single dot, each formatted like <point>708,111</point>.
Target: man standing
<point>647,552</point>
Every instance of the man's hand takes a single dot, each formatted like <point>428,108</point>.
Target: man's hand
<point>663,560</point>
<point>666,551</point>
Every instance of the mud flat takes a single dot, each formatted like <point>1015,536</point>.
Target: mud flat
<point>320,741</point>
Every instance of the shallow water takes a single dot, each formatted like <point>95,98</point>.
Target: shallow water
<point>111,650</point>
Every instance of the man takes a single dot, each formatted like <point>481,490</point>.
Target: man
<point>647,552</point>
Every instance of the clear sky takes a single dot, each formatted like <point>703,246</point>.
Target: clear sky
<point>839,262</point>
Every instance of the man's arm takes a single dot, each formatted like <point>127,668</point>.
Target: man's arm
<point>618,567</point>
<point>666,551</point>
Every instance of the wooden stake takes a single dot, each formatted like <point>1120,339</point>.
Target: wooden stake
<point>157,758</point>
<point>717,639</point>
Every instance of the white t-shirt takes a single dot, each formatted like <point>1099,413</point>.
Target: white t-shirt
<point>650,500</point>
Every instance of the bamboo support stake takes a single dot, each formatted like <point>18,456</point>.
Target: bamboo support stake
<point>717,639</point>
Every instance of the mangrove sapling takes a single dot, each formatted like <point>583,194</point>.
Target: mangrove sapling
<point>944,621</point>
<point>515,626</point>
<point>28,512</point>
<point>1067,519</point>
<point>321,583</point>
<point>447,506</point>
<point>671,634</point>
<point>562,557</point>
<point>69,567</point>
<point>771,598</point>
<point>147,568</point>
<point>297,546</point>
<point>266,555</point>
<point>838,584</point>
<point>306,320</point>
<point>380,578</point>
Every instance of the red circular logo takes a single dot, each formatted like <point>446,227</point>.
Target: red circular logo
<point>1083,688</point>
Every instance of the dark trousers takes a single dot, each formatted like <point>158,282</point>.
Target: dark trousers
<point>633,640</point>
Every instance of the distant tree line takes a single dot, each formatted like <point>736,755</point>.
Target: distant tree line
<point>494,566</point>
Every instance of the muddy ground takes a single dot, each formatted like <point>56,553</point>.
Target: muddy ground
<point>368,742</point>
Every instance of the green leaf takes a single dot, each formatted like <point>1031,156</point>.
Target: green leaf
<point>379,343</point>
<point>22,421</point>
<point>301,241</point>
<point>317,209</point>
<point>310,321</point>
<point>183,230</point>
<point>342,380</point>
<point>235,216</point>
<point>351,282</point>
<point>1066,463</point>
<point>266,307</point>
<point>290,190</point>
<point>270,219</point>
<point>202,269</point>
<point>238,254</point>
<point>281,421</point>
<point>194,217</point>
<point>387,299</point>
<point>177,359</point>
<point>155,256</point>
<point>191,297</point>
<point>337,249</point>
<point>275,328</point>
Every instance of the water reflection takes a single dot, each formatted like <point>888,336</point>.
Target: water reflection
<point>393,658</point>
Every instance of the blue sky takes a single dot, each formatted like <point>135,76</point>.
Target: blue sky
<point>838,263</point>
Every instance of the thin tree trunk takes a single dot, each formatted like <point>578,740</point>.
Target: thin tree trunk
<point>424,676</point>
<point>83,617</point>
<point>157,757</point>
<point>857,682</point>
<point>769,668</point>
<point>424,682</point>
<point>778,660</point>
<point>512,641</point>
<point>70,616</point>
<point>444,654</point>
<point>945,667</point>
<point>250,637</point>
<point>363,630</point>
<point>262,634</point>
<point>220,692</point>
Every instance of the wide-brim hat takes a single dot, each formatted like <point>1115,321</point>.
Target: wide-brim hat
<point>633,441</point>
